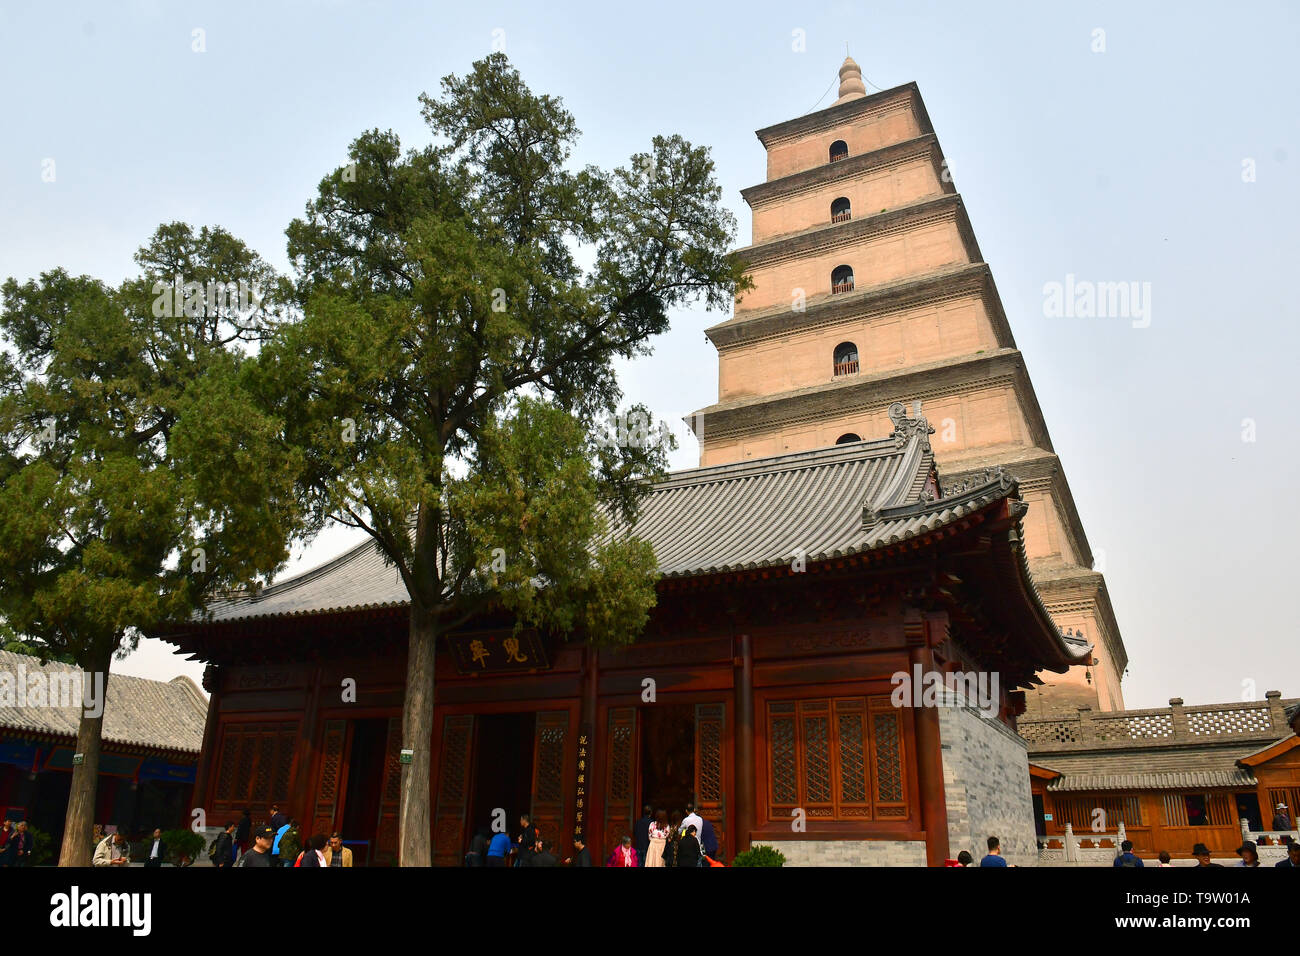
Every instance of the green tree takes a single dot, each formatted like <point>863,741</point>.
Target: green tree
<point>137,475</point>
<point>449,382</point>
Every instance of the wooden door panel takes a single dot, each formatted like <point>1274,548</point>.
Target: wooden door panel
<point>549,748</point>
<point>711,768</point>
<point>449,843</point>
<point>622,771</point>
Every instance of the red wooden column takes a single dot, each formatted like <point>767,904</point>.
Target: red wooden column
<point>307,757</point>
<point>929,752</point>
<point>746,782</point>
<point>199,796</point>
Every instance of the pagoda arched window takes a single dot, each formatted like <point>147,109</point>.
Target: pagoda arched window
<point>846,438</point>
<point>840,210</point>
<point>842,279</point>
<point>846,361</point>
<point>839,150</point>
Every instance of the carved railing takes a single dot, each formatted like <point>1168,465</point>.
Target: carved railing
<point>1157,727</point>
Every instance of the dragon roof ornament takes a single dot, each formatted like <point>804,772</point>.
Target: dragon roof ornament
<point>905,427</point>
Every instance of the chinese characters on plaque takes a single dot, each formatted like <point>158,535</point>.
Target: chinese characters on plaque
<point>584,748</point>
<point>494,652</point>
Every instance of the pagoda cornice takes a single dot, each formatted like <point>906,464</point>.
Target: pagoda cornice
<point>1073,584</point>
<point>827,236</point>
<point>886,101</point>
<point>753,414</point>
<point>962,281</point>
<point>854,166</point>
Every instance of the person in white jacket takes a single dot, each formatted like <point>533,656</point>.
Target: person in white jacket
<point>113,850</point>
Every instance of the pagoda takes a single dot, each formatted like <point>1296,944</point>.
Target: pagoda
<point>869,289</point>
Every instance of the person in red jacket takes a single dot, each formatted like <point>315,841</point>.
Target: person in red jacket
<point>624,854</point>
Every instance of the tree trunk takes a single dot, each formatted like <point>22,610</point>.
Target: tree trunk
<point>415,840</point>
<point>79,824</point>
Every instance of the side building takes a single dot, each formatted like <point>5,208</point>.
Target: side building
<point>1172,777</point>
<point>152,733</point>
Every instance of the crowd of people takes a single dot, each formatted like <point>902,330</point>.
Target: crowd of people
<point>1248,851</point>
<point>684,839</point>
<point>279,842</point>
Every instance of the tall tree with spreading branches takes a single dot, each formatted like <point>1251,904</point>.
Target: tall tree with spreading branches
<point>450,383</point>
<point>138,476</point>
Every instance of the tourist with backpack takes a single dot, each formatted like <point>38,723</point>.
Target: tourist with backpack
<point>1127,857</point>
<point>291,844</point>
<point>222,850</point>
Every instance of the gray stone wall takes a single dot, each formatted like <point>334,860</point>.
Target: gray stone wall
<point>986,786</point>
<point>850,852</point>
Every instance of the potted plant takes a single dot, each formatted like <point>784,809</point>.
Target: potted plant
<point>184,846</point>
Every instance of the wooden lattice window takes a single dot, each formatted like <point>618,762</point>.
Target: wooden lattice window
<point>254,765</point>
<point>1081,812</point>
<point>836,759</point>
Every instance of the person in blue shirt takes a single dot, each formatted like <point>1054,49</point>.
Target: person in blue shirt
<point>994,857</point>
<point>498,849</point>
<point>280,831</point>
<point>1127,857</point>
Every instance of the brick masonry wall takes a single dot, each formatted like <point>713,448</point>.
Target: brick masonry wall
<point>850,852</point>
<point>986,786</point>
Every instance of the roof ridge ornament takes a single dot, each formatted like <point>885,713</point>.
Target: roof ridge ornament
<point>979,479</point>
<point>905,427</point>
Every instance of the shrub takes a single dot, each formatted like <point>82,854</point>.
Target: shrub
<point>760,855</point>
<point>42,853</point>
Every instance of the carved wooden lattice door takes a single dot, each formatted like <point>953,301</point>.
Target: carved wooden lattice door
<point>333,765</point>
<point>621,773</point>
<point>548,776</point>
<point>449,843</point>
<point>710,740</point>
<point>390,794</point>
<point>254,766</point>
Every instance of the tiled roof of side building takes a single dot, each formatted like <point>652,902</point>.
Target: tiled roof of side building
<point>161,715</point>
<point>824,504</point>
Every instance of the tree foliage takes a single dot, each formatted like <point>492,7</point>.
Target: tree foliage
<point>463,305</point>
<point>137,473</point>
<point>454,360</point>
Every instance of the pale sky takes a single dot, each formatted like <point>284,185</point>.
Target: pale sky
<point>1169,157</point>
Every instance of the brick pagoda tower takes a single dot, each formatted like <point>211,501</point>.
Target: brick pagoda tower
<point>869,288</point>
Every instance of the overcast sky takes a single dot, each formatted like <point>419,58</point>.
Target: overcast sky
<point>1152,143</point>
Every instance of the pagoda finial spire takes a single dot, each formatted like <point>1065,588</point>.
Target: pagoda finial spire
<point>851,85</point>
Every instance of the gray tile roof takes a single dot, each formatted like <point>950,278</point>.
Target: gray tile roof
<point>357,579</point>
<point>828,503</point>
<point>1176,780</point>
<point>165,715</point>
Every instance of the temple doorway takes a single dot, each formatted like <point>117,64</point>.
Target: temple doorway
<point>667,759</point>
<point>503,770</point>
<point>360,821</point>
